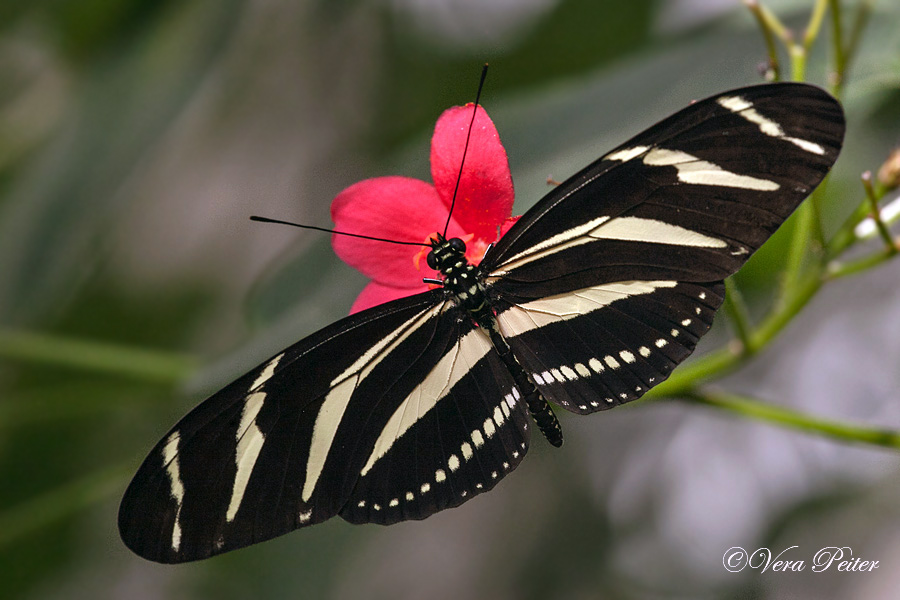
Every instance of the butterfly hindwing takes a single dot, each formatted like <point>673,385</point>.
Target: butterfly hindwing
<point>599,347</point>
<point>455,436</point>
<point>286,445</point>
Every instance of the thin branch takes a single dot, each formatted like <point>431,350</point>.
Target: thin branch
<point>850,231</point>
<point>797,250</point>
<point>846,236</point>
<point>876,214</point>
<point>818,231</point>
<point>39,512</point>
<point>704,368</point>
<point>836,269</point>
<point>737,310</point>
<point>837,42</point>
<point>785,417</point>
<point>727,359</point>
<point>768,37</point>
<point>136,363</point>
<point>814,25</point>
<point>770,22</point>
<point>775,322</point>
<point>798,62</point>
<point>720,362</point>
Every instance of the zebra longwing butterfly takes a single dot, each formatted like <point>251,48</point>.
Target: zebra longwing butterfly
<point>422,403</point>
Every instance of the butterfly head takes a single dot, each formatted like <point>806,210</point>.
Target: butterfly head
<point>461,279</point>
<point>446,253</point>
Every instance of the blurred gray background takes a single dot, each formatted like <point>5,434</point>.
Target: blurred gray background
<point>137,136</point>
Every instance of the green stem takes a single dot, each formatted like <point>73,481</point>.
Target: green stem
<point>876,213</point>
<point>762,411</point>
<point>768,37</point>
<point>708,366</point>
<point>724,360</point>
<point>137,363</point>
<point>770,21</point>
<point>798,61</point>
<point>737,310</point>
<point>42,511</point>
<point>818,231</point>
<point>717,363</point>
<point>814,25</point>
<point>797,289</point>
<point>800,236</point>
<point>802,293</point>
<point>836,270</point>
<point>845,236</point>
<point>837,42</point>
<point>41,406</point>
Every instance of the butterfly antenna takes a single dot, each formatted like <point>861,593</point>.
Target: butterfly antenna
<point>356,235</point>
<point>466,147</point>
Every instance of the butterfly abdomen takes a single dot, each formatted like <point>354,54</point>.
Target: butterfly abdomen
<point>538,406</point>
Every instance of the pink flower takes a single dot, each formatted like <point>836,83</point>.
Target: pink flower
<point>406,209</point>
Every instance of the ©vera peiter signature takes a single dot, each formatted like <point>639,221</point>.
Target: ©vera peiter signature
<point>839,558</point>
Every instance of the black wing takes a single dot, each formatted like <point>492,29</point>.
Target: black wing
<point>393,413</point>
<point>406,409</point>
<point>607,283</point>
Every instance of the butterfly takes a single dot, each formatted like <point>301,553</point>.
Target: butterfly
<point>592,298</point>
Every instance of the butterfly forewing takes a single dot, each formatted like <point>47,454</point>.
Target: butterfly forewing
<point>721,174</point>
<point>609,281</point>
<point>593,297</point>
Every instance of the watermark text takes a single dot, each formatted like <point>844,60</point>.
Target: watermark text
<point>835,558</point>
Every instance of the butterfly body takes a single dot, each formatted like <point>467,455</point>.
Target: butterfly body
<point>461,279</point>
<point>592,298</point>
<point>464,283</point>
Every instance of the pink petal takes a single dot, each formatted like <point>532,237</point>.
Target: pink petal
<point>396,208</point>
<point>508,223</point>
<point>485,196</point>
<point>376,293</point>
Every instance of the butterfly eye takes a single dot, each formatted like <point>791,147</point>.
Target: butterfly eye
<point>431,259</point>
<point>458,245</point>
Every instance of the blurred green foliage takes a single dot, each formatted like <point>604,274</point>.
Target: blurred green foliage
<point>130,130</point>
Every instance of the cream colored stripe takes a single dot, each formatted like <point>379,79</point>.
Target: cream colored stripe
<point>452,367</point>
<point>249,439</point>
<point>539,313</point>
<point>553,244</point>
<point>744,108</point>
<point>700,172</point>
<point>266,373</point>
<point>690,169</point>
<point>621,228</point>
<point>626,154</point>
<point>335,404</point>
<point>806,145</point>
<point>636,229</point>
<point>170,459</point>
<point>249,444</point>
